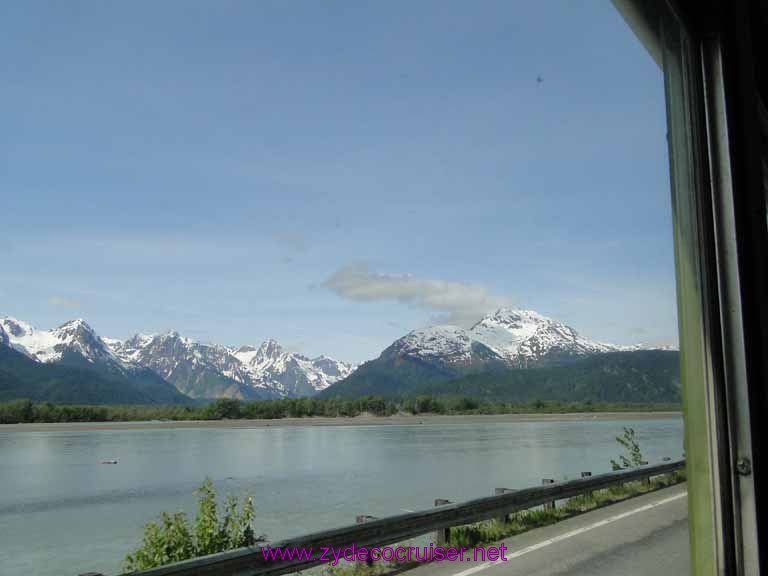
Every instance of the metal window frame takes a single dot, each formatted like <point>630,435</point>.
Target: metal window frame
<point>719,217</point>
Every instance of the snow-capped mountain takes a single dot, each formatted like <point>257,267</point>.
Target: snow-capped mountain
<point>449,347</point>
<point>505,340</point>
<point>508,337</point>
<point>524,337</point>
<point>85,370</point>
<point>52,345</point>
<point>290,373</point>
<point>196,369</point>
<point>206,370</point>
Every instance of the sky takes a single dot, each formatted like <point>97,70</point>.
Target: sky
<point>331,174</point>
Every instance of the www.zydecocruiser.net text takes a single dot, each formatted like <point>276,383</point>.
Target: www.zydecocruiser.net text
<point>352,553</point>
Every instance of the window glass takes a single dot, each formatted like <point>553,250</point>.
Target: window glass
<point>344,258</point>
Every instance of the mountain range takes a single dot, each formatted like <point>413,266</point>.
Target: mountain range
<point>194,369</point>
<point>73,367</point>
<point>509,353</point>
<point>212,371</point>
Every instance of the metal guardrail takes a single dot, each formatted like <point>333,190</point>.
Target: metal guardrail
<point>250,561</point>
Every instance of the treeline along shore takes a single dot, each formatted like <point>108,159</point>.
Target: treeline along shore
<point>26,411</point>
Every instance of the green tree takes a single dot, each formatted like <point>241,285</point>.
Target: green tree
<point>224,408</point>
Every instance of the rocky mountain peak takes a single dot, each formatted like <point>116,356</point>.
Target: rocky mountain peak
<point>512,318</point>
<point>270,349</point>
<point>78,336</point>
<point>78,329</point>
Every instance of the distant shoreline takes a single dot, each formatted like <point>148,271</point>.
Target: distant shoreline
<point>361,420</point>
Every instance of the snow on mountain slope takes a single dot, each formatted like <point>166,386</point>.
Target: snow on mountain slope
<point>332,368</point>
<point>78,336</point>
<point>522,335</point>
<point>25,338</point>
<point>4,339</point>
<point>290,373</point>
<point>197,368</point>
<point>51,345</point>
<point>515,338</point>
<point>449,344</point>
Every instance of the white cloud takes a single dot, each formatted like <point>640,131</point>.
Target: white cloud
<point>458,303</point>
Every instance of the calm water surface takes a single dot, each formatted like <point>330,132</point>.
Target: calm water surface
<point>62,512</point>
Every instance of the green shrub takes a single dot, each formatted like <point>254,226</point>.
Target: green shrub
<point>633,457</point>
<point>173,539</point>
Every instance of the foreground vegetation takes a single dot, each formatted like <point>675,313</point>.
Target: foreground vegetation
<point>26,411</point>
<point>174,539</point>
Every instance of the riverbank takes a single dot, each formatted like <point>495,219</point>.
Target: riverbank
<point>360,420</point>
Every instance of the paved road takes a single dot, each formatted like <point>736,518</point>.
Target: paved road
<point>647,535</point>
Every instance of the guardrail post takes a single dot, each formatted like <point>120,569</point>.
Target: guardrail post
<point>362,519</point>
<point>590,494</point>
<point>442,535</point>
<point>548,505</point>
<point>497,492</point>
<point>647,479</point>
